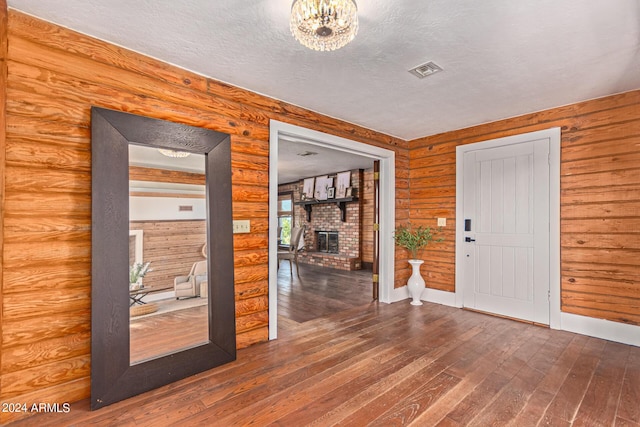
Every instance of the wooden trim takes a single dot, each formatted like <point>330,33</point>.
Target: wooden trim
<point>113,377</point>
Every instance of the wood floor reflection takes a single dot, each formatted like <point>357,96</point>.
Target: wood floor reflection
<point>156,335</point>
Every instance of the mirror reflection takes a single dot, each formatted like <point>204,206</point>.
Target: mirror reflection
<point>167,252</point>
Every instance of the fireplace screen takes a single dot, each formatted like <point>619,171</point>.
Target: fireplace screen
<point>327,241</point>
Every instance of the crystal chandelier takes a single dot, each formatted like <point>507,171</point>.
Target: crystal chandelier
<point>324,24</point>
<point>173,153</point>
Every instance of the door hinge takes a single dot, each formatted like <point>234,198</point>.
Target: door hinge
<point>549,295</point>
<point>376,227</point>
<point>375,278</point>
<point>376,176</point>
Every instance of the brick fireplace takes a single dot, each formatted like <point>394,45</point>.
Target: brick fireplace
<point>327,241</point>
<point>330,241</point>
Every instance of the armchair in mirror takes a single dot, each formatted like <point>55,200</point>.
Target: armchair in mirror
<point>162,306</point>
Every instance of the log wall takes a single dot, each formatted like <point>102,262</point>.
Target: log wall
<point>3,146</point>
<point>54,77</point>
<point>600,200</point>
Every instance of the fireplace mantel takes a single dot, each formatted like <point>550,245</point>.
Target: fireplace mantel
<point>341,203</point>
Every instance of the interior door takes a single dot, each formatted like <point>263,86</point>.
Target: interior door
<point>376,229</point>
<point>506,238</point>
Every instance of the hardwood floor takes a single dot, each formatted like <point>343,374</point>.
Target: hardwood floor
<point>380,365</point>
<point>320,292</point>
<point>166,333</point>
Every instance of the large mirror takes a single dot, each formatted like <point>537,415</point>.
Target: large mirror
<point>162,254</point>
<point>167,266</point>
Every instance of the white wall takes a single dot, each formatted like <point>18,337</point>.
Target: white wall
<point>165,208</point>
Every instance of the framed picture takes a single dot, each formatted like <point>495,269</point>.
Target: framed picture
<point>331,192</point>
<point>343,182</point>
<point>322,183</point>
<point>307,188</point>
<point>348,192</point>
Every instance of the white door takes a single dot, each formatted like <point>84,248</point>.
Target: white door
<point>506,238</point>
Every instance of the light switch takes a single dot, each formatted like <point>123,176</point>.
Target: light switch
<point>442,222</point>
<point>241,226</point>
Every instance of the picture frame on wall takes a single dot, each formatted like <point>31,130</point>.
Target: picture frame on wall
<point>322,184</point>
<point>343,181</point>
<point>307,188</point>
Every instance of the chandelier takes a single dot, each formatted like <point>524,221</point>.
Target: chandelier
<point>324,24</point>
<point>173,153</point>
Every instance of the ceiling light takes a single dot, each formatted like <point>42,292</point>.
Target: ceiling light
<point>173,153</point>
<point>324,24</point>
<point>424,70</point>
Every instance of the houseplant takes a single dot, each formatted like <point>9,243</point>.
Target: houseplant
<point>136,272</point>
<point>414,240</point>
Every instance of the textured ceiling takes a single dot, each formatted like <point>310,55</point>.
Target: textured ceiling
<point>501,58</point>
<point>293,164</point>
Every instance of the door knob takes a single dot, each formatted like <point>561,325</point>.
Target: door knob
<point>469,239</point>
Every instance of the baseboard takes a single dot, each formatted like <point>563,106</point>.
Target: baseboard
<point>430,295</point>
<point>439,297</point>
<point>600,328</point>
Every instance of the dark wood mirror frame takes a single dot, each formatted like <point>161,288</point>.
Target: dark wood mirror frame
<point>113,377</point>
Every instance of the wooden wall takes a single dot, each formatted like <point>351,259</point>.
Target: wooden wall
<point>54,77</point>
<point>3,145</point>
<point>600,200</point>
<point>171,247</point>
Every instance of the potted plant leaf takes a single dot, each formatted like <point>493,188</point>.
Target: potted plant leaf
<point>414,240</point>
<point>136,272</point>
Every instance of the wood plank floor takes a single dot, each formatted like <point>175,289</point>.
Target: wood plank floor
<point>156,335</point>
<point>380,365</point>
<point>318,294</point>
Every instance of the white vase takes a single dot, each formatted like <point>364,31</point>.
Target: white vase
<point>415,284</point>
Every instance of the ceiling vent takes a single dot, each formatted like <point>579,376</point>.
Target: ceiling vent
<point>306,153</point>
<point>424,70</point>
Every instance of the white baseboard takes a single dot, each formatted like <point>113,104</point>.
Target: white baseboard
<point>439,297</point>
<point>600,328</point>
<point>429,295</point>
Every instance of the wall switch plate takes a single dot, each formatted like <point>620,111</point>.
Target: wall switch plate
<point>241,226</point>
<point>442,222</point>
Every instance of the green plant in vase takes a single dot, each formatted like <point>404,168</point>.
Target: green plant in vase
<point>414,240</point>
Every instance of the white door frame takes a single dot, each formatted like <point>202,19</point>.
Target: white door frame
<point>553,134</point>
<point>387,205</point>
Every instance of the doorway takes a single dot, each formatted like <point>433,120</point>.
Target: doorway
<point>280,130</point>
<point>507,228</point>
